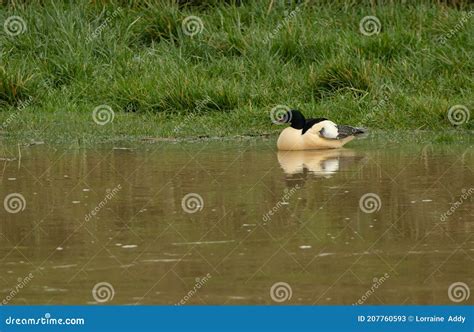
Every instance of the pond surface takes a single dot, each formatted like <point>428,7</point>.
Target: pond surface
<point>236,223</point>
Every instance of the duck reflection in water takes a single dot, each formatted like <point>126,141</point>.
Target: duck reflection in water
<point>299,165</point>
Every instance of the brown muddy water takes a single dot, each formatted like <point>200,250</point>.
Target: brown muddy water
<point>236,223</point>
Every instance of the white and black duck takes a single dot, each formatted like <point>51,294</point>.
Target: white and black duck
<point>314,134</point>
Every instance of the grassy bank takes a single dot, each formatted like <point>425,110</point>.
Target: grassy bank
<point>159,78</point>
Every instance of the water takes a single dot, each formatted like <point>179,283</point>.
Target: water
<point>251,218</point>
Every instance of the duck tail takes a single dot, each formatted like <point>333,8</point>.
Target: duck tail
<point>345,131</point>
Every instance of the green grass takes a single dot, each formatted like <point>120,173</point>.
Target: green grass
<point>224,81</point>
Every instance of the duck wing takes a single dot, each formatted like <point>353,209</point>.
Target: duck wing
<point>345,131</point>
<point>321,127</point>
<point>314,124</point>
<point>329,130</point>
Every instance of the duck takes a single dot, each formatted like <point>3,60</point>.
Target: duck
<point>313,134</point>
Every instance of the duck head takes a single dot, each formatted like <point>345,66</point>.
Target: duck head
<point>295,118</point>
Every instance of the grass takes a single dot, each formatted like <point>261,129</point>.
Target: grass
<point>250,57</point>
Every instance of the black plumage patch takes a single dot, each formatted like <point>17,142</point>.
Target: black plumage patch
<point>311,122</point>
